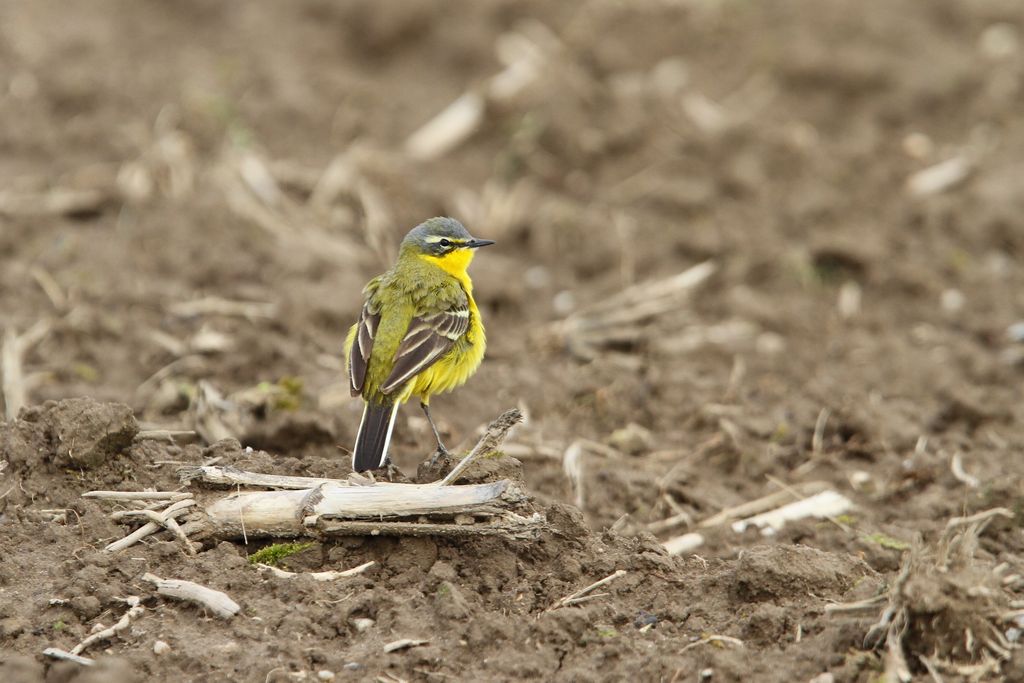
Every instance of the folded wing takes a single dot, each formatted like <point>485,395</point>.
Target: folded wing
<point>429,337</point>
<point>362,346</point>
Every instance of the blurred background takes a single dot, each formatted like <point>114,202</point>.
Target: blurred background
<point>737,241</point>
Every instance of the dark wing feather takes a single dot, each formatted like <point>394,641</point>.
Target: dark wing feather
<point>429,337</point>
<point>359,356</point>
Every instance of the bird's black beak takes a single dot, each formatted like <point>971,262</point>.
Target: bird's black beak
<point>475,243</point>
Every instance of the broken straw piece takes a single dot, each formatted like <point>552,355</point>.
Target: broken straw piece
<point>939,178</point>
<point>824,504</point>
<point>447,130</point>
<point>403,644</point>
<point>686,543</point>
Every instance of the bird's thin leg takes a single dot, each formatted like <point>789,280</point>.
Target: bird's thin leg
<point>437,435</point>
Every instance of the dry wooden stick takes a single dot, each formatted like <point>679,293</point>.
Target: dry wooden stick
<point>621,318</point>
<point>212,305</point>
<point>283,512</point>
<point>164,521</point>
<point>138,495</point>
<point>163,434</point>
<point>225,475</point>
<point>670,522</point>
<point>169,523</point>
<point>403,644</point>
<point>508,525</point>
<point>866,604</point>
<point>956,466</point>
<point>134,610</point>
<point>12,357</point>
<point>827,504</point>
<point>57,653</point>
<point>495,433</point>
<point>55,202</point>
<point>713,639</point>
<point>764,503</point>
<point>133,538</point>
<point>316,576</point>
<point>50,287</point>
<point>679,545</point>
<point>572,467</point>
<point>216,601</point>
<point>578,596</point>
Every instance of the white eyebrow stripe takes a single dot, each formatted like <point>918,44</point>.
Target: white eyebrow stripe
<point>433,239</point>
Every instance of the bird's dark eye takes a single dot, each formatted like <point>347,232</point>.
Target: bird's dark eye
<point>445,243</point>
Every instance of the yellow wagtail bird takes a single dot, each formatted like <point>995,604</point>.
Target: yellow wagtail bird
<point>419,333</point>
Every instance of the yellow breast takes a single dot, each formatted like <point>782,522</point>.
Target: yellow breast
<point>459,364</point>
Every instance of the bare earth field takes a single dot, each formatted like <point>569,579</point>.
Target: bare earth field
<point>192,195</point>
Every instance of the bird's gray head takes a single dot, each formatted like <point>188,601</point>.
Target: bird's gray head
<point>439,237</point>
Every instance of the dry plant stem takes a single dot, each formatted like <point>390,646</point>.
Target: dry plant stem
<point>59,201</point>
<point>682,518</point>
<point>216,306</point>
<point>171,525</point>
<point>860,605</point>
<point>713,639</point>
<point>50,287</point>
<point>572,466</point>
<point>225,475</point>
<point>896,668</point>
<point>12,357</point>
<point>824,505</point>
<point>123,623</point>
<point>686,543</point>
<point>133,538</point>
<point>764,503</point>
<point>495,434</point>
<point>164,520</point>
<point>216,601</point>
<point>164,434</point>
<point>508,526</point>
<point>984,516</point>
<point>576,597</point>
<point>138,495</point>
<point>282,512</point>
<point>57,653</point>
<point>403,644</point>
<point>933,671</point>
<point>620,318</point>
<point>316,576</point>
<point>818,440</point>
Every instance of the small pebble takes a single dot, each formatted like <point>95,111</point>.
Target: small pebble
<point>1016,332</point>
<point>953,300</point>
<point>631,439</point>
<point>918,146</point>
<point>999,41</point>
<point>352,666</point>
<point>770,343</point>
<point>537,277</point>
<point>860,479</point>
<point>160,648</point>
<point>564,302</point>
<point>362,624</point>
<point>325,675</point>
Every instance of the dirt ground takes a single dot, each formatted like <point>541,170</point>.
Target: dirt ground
<point>856,330</point>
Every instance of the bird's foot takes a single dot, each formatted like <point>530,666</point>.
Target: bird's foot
<point>389,472</point>
<point>441,456</point>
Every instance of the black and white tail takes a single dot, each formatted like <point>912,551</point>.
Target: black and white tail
<point>374,436</point>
